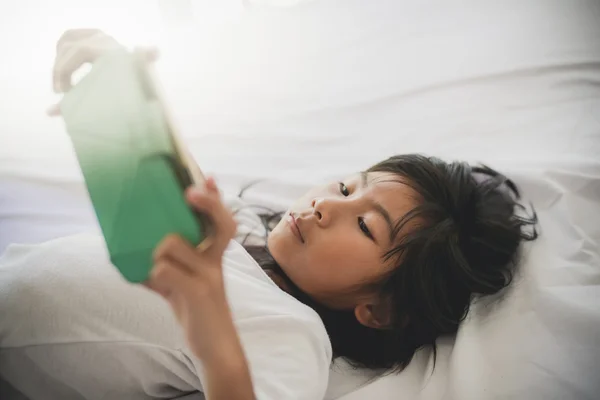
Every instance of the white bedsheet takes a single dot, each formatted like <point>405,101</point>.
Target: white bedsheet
<point>309,93</point>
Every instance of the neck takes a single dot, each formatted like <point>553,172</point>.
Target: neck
<point>280,281</point>
<point>266,261</point>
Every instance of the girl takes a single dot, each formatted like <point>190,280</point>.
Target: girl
<point>370,269</point>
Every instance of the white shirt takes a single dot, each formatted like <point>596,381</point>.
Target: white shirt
<point>73,328</point>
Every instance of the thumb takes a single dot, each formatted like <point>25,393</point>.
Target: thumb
<point>150,53</point>
<point>53,110</point>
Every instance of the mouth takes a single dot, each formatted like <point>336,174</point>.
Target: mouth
<point>291,220</point>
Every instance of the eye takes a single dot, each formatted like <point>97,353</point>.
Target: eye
<point>344,190</point>
<point>363,227</point>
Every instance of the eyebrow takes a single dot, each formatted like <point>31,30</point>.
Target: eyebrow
<point>388,219</point>
<point>364,180</point>
<point>378,207</point>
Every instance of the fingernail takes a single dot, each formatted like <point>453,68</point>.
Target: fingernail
<point>193,192</point>
<point>210,183</point>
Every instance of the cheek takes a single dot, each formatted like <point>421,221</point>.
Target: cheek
<point>333,264</point>
<point>335,267</point>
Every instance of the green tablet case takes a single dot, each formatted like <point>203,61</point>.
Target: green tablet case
<point>133,173</point>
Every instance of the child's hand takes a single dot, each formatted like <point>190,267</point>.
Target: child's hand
<point>77,47</point>
<point>192,281</point>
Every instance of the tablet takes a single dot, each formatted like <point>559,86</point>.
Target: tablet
<point>135,166</point>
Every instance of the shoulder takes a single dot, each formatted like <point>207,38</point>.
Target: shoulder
<point>268,306</point>
<point>289,357</point>
<point>249,284</point>
<point>284,340</point>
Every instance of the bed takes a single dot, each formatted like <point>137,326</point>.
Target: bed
<point>293,96</point>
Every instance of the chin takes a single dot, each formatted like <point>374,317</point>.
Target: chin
<point>283,246</point>
<point>277,243</point>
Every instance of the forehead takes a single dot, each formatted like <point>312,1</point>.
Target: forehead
<point>389,190</point>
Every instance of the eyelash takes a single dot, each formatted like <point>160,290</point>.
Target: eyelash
<point>344,190</point>
<point>364,228</point>
<point>361,221</point>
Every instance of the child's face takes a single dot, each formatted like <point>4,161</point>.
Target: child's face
<point>344,231</point>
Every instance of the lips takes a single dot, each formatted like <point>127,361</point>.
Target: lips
<point>291,219</point>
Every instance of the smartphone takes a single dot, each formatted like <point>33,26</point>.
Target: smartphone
<point>135,166</point>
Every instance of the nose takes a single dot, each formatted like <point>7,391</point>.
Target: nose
<point>322,210</point>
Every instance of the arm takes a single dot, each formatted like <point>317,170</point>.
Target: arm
<point>192,282</point>
<point>227,375</point>
<point>226,372</point>
<point>286,348</point>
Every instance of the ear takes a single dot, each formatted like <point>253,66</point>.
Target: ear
<point>376,315</point>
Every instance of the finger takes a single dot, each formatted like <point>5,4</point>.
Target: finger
<point>53,110</point>
<point>167,278</point>
<point>209,203</point>
<point>150,54</point>
<point>71,56</point>
<point>68,40</point>
<point>204,200</point>
<point>211,185</point>
<point>71,35</point>
<point>67,62</point>
<point>150,284</point>
<point>174,247</point>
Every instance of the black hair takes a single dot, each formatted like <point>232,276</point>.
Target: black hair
<point>461,241</point>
